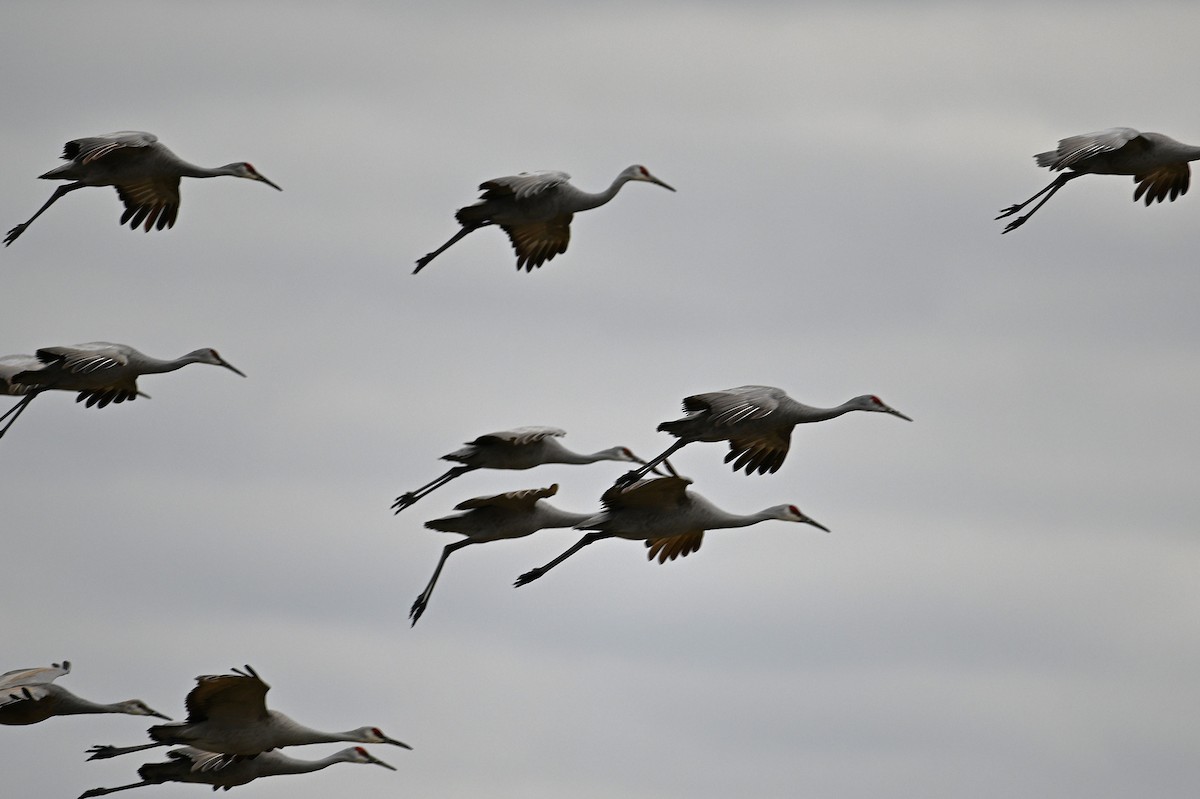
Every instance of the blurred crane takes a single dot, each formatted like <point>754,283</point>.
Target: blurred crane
<point>145,174</point>
<point>228,715</point>
<point>514,514</point>
<point>519,448</point>
<point>535,210</point>
<point>757,421</point>
<point>100,371</point>
<point>28,696</point>
<point>668,517</point>
<point>188,764</point>
<point>1158,163</point>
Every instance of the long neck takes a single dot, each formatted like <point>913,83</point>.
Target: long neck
<point>158,366</point>
<point>69,705</point>
<point>726,520</point>
<point>554,452</point>
<point>588,200</point>
<point>282,764</point>
<point>554,517</point>
<point>808,413</point>
<point>192,171</point>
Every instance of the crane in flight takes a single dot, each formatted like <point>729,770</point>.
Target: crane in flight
<point>519,448</point>
<point>670,519</point>
<point>102,373</point>
<point>535,210</point>
<point>514,514</point>
<point>188,764</point>
<point>1158,163</point>
<point>28,696</point>
<point>228,715</point>
<point>144,172</point>
<point>757,421</point>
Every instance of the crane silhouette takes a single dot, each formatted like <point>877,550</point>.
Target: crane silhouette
<point>757,421</point>
<point>144,172</point>
<point>535,210</point>
<point>1158,163</point>
<point>514,514</point>
<point>668,517</point>
<point>228,715</point>
<point>519,448</point>
<point>28,696</point>
<point>188,764</point>
<point>102,373</point>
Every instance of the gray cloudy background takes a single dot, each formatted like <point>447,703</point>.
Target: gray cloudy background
<point>1008,603</point>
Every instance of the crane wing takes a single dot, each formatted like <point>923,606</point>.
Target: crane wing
<point>35,676</point>
<point>762,453</point>
<point>1171,179</point>
<point>522,186</point>
<point>512,500</point>
<point>659,492</point>
<point>539,241</point>
<point>228,698</point>
<point>1076,149</point>
<point>518,436</point>
<point>734,405</point>
<point>153,200</point>
<point>86,359</point>
<point>676,546</point>
<point>92,148</point>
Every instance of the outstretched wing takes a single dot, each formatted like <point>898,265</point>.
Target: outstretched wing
<point>154,201</point>
<point>1172,179</point>
<point>539,241</point>
<point>676,546</point>
<point>658,492</point>
<point>734,405</point>
<point>522,186</point>
<point>36,676</point>
<point>518,436</point>
<point>93,148</point>
<point>1076,149</point>
<point>228,698</point>
<point>512,500</point>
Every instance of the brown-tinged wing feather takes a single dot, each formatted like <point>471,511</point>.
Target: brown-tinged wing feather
<point>1172,179</point>
<point>153,201</point>
<point>538,242</point>
<point>676,546</point>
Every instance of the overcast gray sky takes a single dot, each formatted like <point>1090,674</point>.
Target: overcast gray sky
<point>1008,603</point>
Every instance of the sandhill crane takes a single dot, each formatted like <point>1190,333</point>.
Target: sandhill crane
<point>100,371</point>
<point>28,696</point>
<point>145,174</point>
<point>228,715</point>
<point>757,422</point>
<point>188,764</point>
<point>1158,163</point>
<point>668,517</point>
<point>535,210</point>
<point>514,514</point>
<point>519,448</point>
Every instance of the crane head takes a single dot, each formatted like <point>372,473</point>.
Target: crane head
<point>247,170</point>
<point>639,172</point>
<point>872,403</point>
<point>790,513</point>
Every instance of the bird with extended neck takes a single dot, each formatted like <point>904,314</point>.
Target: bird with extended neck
<point>1158,164</point>
<point>144,172</point>
<point>514,514</point>
<point>669,518</point>
<point>228,715</point>
<point>535,210</point>
<point>28,696</point>
<point>188,764</point>
<point>757,421</point>
<point>102,373</point>
<point>519,448</point>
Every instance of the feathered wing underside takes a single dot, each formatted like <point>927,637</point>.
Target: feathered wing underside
<point>1172,179</point>
<point>95,363</point>
<point>762,453</point>
<point>34,692</point>
<point>1074,150</point>
<point>153,201</point>
<point>227,698</point>
<point>676,546</point>
<point>539,241</point>
<point>512,500</point>
<point>92,148</point>
<point>34,676</point>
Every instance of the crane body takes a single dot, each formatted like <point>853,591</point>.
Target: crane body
<point>28,696</point>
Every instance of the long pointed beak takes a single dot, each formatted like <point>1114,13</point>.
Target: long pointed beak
<point>269,183</point>
<point>658,182</point>
<point>158,715</point>
<point>895,412</point>
<point>394,742</point>
<point>816,524</point>
<point>232,368</point>
<point>372,759</point>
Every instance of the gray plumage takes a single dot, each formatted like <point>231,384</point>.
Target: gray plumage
<point>669,518</point>
<point>1158,164</point>
<point>519,448</point>
<point>757,421</point>
<point>228,715</point>
<point>144,172</point>
<point>28,696</point>
<point>102,373</point>
<point>188,764</point>
<point>514,514</point>
<point>535,210</point>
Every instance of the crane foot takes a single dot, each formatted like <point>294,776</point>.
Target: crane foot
<point>1009,211</point>
<point>102,752</point>
<point>1013,225</point>
<point>528,577</point>
<point>12,234</point>
<point>417,609</point>
<point>403,501</point>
